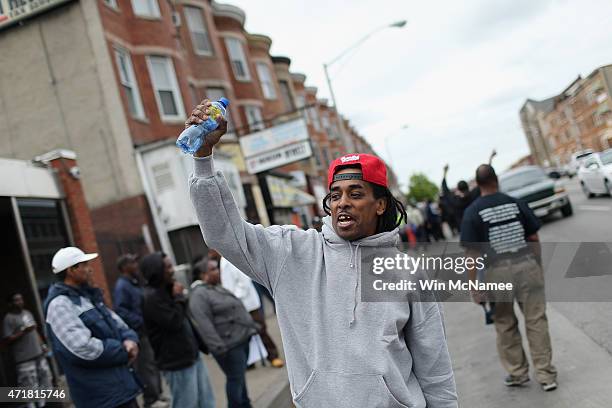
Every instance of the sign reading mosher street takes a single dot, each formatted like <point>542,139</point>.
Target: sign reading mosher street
<point>276,146</point>
<point>12,11</point>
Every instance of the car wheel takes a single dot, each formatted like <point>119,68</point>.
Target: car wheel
<point>608,187</point>
<point>567,209</point>
<point>586,190</point>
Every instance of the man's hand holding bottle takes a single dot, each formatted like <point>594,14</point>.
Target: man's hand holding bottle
<point>200,114</point>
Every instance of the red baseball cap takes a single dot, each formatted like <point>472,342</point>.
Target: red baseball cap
<point>373,169</point>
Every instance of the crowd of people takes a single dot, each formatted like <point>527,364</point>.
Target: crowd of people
<point>157,331</point>
<point>434,220</point>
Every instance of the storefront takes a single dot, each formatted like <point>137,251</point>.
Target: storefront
<point>35,224</point>
<point>285,192</point>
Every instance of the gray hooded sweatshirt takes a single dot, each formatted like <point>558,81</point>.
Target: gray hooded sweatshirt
<point>341,353</point>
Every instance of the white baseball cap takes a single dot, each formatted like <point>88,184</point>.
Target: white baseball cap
<point>69,256</point>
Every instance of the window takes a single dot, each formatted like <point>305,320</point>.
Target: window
<point>166,88</point>
<point>128,83</point>
<point>597,120</point>
<point>314,118</point>
<point>254,118</point>
<point>111,3</point>
<point>317,153</point>
<point>326,157</point>
<point>325,121</point>
<point>197,28</point>
<point>214,94</point>
<point>146,8</point>
<point>267,86</point>
<point>287,98</point>
<point>237,59</point>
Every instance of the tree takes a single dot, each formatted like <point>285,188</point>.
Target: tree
<point>421,188</point>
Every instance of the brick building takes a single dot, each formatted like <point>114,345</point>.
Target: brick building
<point>579,118</point>
<point>113,80</point>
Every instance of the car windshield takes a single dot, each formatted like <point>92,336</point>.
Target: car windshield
<point>519,180</point>
<point>606,157</point>
<point>583,155</point>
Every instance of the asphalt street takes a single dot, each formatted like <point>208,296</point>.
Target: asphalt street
<point>581,331</point>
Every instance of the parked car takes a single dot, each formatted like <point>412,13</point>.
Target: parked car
<point>577,159</point>
<point>595,174</point>
<point>532,185</point>
<point>555,172</point>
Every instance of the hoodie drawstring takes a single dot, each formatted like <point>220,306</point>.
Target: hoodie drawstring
<point>352,264</point>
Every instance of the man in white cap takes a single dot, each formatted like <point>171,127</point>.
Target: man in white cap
<point>92,344</point>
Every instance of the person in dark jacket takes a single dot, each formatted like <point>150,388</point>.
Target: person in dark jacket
<point>128,298</point>
<point>172,337</point>
<point>460,200</point>
<point>92,344</point>
<point>225,326</point>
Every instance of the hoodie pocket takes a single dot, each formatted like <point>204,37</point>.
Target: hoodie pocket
<point>346,390</point>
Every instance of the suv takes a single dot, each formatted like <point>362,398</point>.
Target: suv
<point>532,185</point>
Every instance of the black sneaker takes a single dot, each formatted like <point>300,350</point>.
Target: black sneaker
<point>549,386</point>
<point>513,381</point>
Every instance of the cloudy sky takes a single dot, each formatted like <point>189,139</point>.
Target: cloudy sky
<point>456,74</point>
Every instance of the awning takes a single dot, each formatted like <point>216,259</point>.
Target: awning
<point>284,195</point>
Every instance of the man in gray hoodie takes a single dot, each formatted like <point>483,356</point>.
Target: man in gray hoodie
<point>340,352</point>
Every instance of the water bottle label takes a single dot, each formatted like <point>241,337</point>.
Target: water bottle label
<point>215,112</point>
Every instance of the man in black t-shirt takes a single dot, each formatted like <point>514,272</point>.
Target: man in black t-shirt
<point>505,231</point>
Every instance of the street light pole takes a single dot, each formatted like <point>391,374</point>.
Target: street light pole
<point>348,142</point>
<point>387,146</point>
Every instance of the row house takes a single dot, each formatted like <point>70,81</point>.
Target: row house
<point>579,118</point>
<point>113,81</point>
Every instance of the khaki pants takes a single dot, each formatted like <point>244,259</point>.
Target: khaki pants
<point>528,283</point>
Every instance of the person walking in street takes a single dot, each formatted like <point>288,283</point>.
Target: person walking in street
<point>20,333</point>
<point>459,200</point>
<point>174,343</point>
<point>510,230</point>
<point>94,346</point>
<point>434,220</point>
<point>340,352</point>
<point>128,300</point>
<point>241,286</point>
<point>225,327</point>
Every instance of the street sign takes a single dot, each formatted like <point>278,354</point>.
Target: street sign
<point>276,146</point>
<point>279,157</point>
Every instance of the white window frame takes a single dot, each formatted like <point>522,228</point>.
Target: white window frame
<point>197,27</point>
<point>287,99</point>
<point>254,125</point>
<point>176,92</point>
<point>233,57</point>
<point>129,81</point>
<point>112,4</point>
<point>265,78</point>
<point>151,5</point>
<point>315,118</point>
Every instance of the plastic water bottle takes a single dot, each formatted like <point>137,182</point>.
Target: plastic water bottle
<point>192,138</point>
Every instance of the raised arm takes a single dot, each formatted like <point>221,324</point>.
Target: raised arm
<point>257,251</point>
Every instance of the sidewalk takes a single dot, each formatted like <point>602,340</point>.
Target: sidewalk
<point>585,368</point>
<point>262,381</point>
